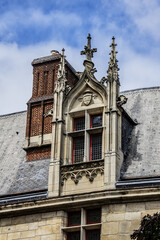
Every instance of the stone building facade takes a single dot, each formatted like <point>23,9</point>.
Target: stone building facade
<point>83,161</point>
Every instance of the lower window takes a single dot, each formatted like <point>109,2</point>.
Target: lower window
<point>73,236</point>
<point>93,234</point>
<point>86,223</point>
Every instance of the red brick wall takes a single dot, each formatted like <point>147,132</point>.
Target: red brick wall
<point>72,79</point>
<point>44,77</point>
<point>36,120</point>
<point>47,124</point>
<point>38,153</point>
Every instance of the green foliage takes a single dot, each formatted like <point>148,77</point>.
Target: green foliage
<point>149,228</point>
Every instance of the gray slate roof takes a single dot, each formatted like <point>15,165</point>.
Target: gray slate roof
<point>142,160</point>
<point>17,175</point>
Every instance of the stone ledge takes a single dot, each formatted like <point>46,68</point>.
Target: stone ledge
<point>85,200</point>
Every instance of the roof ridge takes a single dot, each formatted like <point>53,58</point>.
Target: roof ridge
<point>141,89</point>
<point>14,113</point>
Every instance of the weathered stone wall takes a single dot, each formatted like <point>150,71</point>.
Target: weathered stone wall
<point>84,185</point>
<point>44,226</point>
<point>118,222</point>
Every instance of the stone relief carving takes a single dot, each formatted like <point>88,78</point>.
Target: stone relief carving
<point>77,171</point>
<point>88,98</point>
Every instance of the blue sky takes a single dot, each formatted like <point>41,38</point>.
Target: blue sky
<point>32,28</point>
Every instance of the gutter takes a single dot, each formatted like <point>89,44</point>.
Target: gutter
<point>24,197</point>
<point>138,183</point>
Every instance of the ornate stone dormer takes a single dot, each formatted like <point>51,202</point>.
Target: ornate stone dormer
<point>86,133</point>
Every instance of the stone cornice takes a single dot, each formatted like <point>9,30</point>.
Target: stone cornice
<point>83,200</point>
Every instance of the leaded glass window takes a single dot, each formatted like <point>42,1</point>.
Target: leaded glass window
<point>78,149</point>
<point>96,146</point>
<point>87,138</point>
<point>79,124</point>
<point>96,121</point>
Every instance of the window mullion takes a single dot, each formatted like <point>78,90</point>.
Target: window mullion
<point>86,137</point>
<point>83,221</point>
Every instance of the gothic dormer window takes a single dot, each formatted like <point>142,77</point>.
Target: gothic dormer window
<point>86,133</point>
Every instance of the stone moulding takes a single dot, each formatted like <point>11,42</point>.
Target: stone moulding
<point>77,171</point>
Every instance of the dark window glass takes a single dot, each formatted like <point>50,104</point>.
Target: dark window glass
<point>73,236</point>
<point>96,121</point>
<point>93,234</point>
<point>93,216</point>
<point>79,124</point>
<point>78,149</point>
<point>74,218</point>
<point>96,146</point>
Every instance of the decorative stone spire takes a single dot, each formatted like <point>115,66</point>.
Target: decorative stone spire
<point>61,70</point>
<point>87,49</point>
<point>113,66</point>
<point>61,76</point>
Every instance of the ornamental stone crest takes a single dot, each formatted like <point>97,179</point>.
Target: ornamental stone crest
<point>87,98</point>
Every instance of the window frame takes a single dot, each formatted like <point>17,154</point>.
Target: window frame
<point>83,227</point>
<point>90,147</point>
<point>87,132</point>
<point>73,150</point>
<point>91,120</point>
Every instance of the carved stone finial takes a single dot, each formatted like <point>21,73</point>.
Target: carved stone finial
<point>61,76</point>
<point>88,51</point>
<point>113,60</point>
<point>61,70</point>
<point>113,64</point>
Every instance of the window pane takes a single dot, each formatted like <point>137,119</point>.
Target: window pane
<point>93,234</point>
<point>94,216</point>
<point>96,147</point>
<point>78,149</point>
<point>96,121</point>
<point>74,218</point>
<point>79,124</point>
<point>73,236</point>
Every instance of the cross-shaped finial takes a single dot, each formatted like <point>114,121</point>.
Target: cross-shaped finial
<point>87,49</point>
<point>113,51</point>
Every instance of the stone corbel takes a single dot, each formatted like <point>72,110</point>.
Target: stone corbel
<point>76,172</point>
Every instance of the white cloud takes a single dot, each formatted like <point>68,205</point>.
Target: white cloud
<point>145,14</point>
<point>10,21</point>
<point>16,72</point>
<point>137,70</point>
